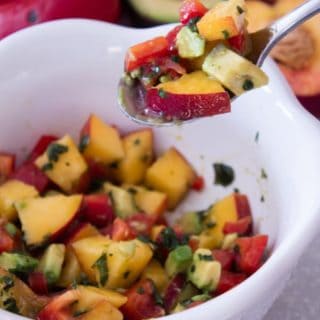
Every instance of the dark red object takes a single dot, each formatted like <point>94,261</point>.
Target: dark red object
<point>242,226</point>
<point>38,283</point>
<point>250,252</point>
<point>186,106</point>
<point>7,243</point>
<point>144,52</point>
<point>229,280</point>
<point>7,162</point>
<point>243,206</point>
<point>30,174</point>
<point>238,43</point>
<point>172,37</point>
<point>173,291</point>
<point>141,302</point>
<point>97,209</point>
<point>18,14</point>
<point>225,257</point>
<point>198,183</point>
<point>140,224</point>
<point>40,147</point>
<point>312,104</point>
<point>191,9</point>
<point>121,231</point>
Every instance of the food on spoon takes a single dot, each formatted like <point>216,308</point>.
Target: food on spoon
<point>196,82</point>
<point>110,252</point>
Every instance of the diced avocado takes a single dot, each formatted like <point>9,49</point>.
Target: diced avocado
<point>234,71</point>
<point>204,272</point>
<point>189,43</point>
<point>188,292</point>
<point>192,222</point>
<point>178,308</point>
<point>178,260</point>
<point>51,262</point>
<point>11,229</point>
<point>17,262</point>
<point>122,200</point>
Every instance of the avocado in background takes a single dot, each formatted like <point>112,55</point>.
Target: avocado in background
<point>162,11</point>
<point>178,260</point>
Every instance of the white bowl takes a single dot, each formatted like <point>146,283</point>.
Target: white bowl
<point>53,75</point>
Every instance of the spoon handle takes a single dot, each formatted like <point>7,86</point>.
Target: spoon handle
<point>287,23</point>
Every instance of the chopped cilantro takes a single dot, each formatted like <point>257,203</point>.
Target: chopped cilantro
<point>11,305</point>
<point>169,238</point>
<point>162,94</point>
<point>114,165</point>
<point>204,257</point>
<point>140,290</point>
<point>236,190</point>
<point>47,167</point>
<point>257,136</point>
<point>175,58</point>
<point>193,268</point>
<point>7,281</point>
<point>84,142</point>
<point>126,274</point>
<point>55,150</point>
<point>247,85</point>
<point>264,174</point>
<point>240,10</point>
<point>224,174</point>
<point>136,142</point>
<point>226,34</point>
<point>101,265</point>
<point>192,24</point>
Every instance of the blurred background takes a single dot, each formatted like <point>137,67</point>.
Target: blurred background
<point>298,55</point>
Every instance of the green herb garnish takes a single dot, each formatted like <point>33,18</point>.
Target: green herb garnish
<point>226,34</point>
<point>240,10</point>
<point>263,174</point>
<point>55,150</point>
<point>192,24</point>
<point>84,142</point>
<point>247,85</point>
<point>101,265</point>
<point>204,257</point>
<point>47,167</point>
<point>162,94</point>
<point>224,174</point>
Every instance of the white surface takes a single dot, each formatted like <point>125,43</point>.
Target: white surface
<point>53,75</point>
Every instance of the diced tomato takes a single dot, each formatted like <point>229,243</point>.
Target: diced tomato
<point>121,230</point>
<point>140,223</point>
<point>191,9</point>
<point>167,64</point>
<point>172,37</point>
<point>173,291</point>
<point>242,226</point>
<point>60,307</point>
<point>142,53</point>
<point>250,252</point>
<point>30,174</point>
<point>41,146</point>
<point>142,302</point>
<point>7,243</point>
<point>238,43</point>
<point>242,204</point>
<point>229,280</point>
<point>225,257</point>
<point>193,243</point>
<point>97,209</point>
<point>38,283</point>
<point>7,162</point>
<point>198,184</point>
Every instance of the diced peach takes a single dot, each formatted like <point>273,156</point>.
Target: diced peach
<point>11,192</point>
<point>102,311</point>
<point>229,209</point>
<point>63,164</point>
<point>88,251</point>
<point>138,149</point>
<point>223,21</point>
<point>84,230</point>
<point>45,219</point>
<point>100,142</point>
<point>191,96</point>
<point>171,174</point>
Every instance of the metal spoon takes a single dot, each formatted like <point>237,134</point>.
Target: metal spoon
<point>131,98</point>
